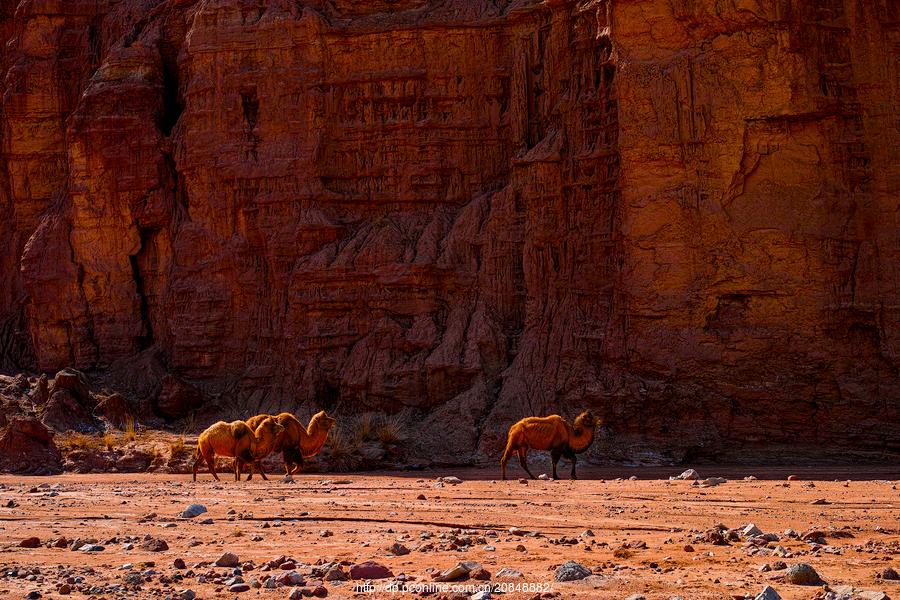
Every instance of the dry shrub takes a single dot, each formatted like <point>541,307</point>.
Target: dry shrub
<point>364,426</point>
<point>342,449</point>
<point>130,430</point>
<point>81,441</point>
<point>391,430</point>
<point>177,449</point>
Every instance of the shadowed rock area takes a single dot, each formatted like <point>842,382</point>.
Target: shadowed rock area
<point>679,215</point>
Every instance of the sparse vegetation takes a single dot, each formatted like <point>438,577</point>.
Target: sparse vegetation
<point>391,430</point>
<point>81,441</point>
<point>363,441</point>
<point>129,429</point>
<point>109,440</point>
<point>342,449</point>
<point>177,449</point>
<point>365,424</point>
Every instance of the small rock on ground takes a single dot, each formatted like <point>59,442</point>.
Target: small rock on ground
<point>571,571</point>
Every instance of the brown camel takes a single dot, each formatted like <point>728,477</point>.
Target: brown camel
<point>551,433</point>
<point>235,439</point>
<point>299,442</point>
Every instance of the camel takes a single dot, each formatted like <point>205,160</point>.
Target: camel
<point>236,440</point>
<point>551,433</point>
<point>268,434</point>
<point>298,442</point>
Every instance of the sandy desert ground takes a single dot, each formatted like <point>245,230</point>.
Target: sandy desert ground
<point>651,536</point>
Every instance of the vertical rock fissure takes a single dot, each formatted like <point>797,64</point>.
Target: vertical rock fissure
<point>172,101</point>
<point>145,339</point>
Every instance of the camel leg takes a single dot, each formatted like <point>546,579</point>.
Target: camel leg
<point>258,465</point>
<point>571,456</point>
<point>288,464</point>
<point>250,476</point>
<point>554,457</point>
<point>522,454</point>
<point>197,460</point>
<point>237,469</point>
<point>211,463</point>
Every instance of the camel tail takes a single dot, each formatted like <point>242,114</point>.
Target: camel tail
<point>511,448</point>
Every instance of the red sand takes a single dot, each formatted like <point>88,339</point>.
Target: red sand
<point>368,512</point>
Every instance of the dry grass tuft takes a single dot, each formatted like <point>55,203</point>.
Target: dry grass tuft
<point>391,430</point>
<point>81,441</point>
<point>343,449</point>
<point>177,449</point>
<point>109,440</point>
<point>364,426</point>
<point>130,430</point>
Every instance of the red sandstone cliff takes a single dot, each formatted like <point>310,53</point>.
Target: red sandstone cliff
<point>680,213</point>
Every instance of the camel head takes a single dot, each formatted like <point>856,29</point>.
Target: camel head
<point>587,420</point>
<point>322,422</point>
<point>271,426</point>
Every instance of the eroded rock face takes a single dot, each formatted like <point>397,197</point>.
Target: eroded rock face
<point>679,215</point>
<point>27,447</point>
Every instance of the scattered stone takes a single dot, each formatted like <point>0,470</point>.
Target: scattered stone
<point>194,510</point>
<point>689,474</point>
<point>336,573</point>
<point>91,548</point>
<point>179,564</point>
<point>450,480</point>
<point>370,570</point>
<point>458,572</point>
<point>802,574</point>
<point>507,573</point>
<point>888,574</point>
<point>398,549</point>
<point>154,545</point>
<point>187,595</point>
<point>543,477</point>
<point>713,481</point>
<point>229,559</point>
<point>31,542</point>
<point>793,478</point>
<point>571,571</point>
<point>768,593</point>
<point>238,588</point>
<point>751,530</point>
<point>820,501</point>
<point>636,597</point>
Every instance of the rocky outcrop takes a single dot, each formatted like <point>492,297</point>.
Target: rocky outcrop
<point>177,398</point>
<point>27,448</point>
<point>681,215</point>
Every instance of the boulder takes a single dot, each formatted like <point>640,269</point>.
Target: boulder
<point>27,448</point>
<point>802,574</point>
<point>370,570</point>
<point>571,571</point>
<point>63,412</point>
<point>74,382</point>
<point>115,409</point>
